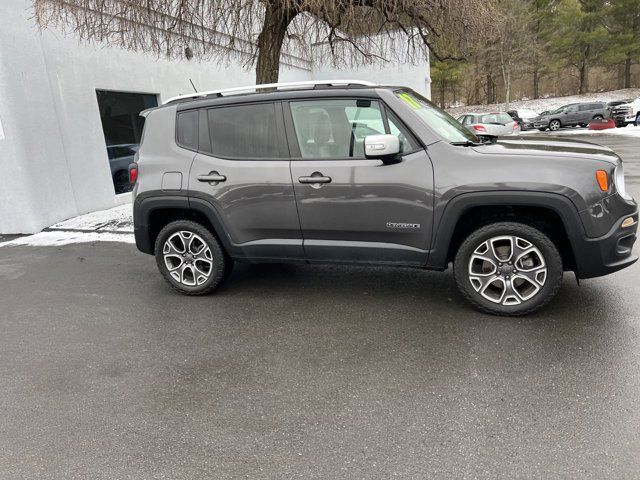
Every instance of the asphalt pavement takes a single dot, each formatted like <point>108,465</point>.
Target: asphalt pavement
<point>297,372</point>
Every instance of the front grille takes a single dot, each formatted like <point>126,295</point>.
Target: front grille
<point>622,110</point>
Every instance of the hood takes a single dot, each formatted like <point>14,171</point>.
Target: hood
<point>536,146</point>
<point>635,103</point>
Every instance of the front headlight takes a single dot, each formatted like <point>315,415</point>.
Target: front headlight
<point>619,181</point>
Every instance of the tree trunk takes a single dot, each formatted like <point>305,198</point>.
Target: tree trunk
<point>584,78</point>
<point>627,73</point>
<point>491,89</point>
<point>507,92</point>
<point>442,92</point>
<point>506,77</point>
<point>584,72</point>
<point>536,83</point>
<point>276,21</point>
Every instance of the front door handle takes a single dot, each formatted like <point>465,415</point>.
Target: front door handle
<point>315,177</point>
<point>212,177</point>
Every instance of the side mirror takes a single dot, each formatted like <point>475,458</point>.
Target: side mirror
<point>384,147</point>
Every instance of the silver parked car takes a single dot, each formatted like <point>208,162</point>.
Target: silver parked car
<point>490,124</point>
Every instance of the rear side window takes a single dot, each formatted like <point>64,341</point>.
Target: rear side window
<point>244,131</point>
<point>496,118</point>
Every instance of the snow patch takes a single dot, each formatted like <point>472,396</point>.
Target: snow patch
<point>57,238</point>
<point>112,225</point>
<point>117,219</point>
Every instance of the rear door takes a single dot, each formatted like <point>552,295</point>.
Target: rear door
<point>352,208</point>
<point>242,170</point>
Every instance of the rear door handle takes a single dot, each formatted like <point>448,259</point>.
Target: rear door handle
<point>315,177</point>
<point>212,177</point>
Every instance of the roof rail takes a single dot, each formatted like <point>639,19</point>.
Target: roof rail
<point>284,85</point>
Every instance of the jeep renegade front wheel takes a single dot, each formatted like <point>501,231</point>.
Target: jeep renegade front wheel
<point>190,258</point>
<point>508,268</point>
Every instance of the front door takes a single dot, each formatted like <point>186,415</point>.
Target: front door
<point>571,115</point>
<point>242,170</point>
<point>352,208</point>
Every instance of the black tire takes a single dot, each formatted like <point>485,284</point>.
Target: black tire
<point>555,125</point>
<point>542,129</point>
<point>221,263</point>
<point>542,242</point>
<point>638,120</point>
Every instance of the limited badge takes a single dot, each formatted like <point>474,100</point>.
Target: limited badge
<point>412,226</point>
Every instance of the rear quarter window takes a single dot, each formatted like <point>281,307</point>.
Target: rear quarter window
<point>187,129</point>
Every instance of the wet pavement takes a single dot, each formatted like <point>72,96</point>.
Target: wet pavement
<point>297,372</point>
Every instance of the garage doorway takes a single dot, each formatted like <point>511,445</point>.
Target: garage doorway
<point>122,126</point>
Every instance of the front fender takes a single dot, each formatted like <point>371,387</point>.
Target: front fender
<point>457,206</point>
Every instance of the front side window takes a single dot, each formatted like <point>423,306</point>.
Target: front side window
<point>407,144</point>
<point>244,131</point>
<point>335,128</point>
<point>436,119</point>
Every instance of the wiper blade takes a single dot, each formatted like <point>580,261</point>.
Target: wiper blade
<point>468,143</point>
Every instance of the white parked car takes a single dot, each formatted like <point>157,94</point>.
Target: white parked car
<point>490,124</point>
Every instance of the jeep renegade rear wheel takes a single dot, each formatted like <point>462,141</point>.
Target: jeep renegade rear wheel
<point>508,268</point>
<point>190,258</point>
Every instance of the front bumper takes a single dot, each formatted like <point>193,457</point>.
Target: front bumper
<point>624,119</point>
<point>609,253</point>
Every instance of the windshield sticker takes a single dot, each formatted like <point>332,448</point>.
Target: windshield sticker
<point>409,100</point>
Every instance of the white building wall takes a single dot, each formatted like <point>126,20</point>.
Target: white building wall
<point>414,76</point>
<point>53,160</point>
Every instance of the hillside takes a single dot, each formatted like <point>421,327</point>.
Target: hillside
<point>542,104</point>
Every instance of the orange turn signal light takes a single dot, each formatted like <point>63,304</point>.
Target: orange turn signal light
<point>603,180</point>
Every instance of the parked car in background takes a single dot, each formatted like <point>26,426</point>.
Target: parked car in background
<point>573,115</point>
<point>627,113</point>
<point>490,124</point>
<point>120,157</point>
<point>524,118</point>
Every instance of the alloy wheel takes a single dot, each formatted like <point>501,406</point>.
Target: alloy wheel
<point>507,270</point>
<point>554,125</point>
<point>188,258</point>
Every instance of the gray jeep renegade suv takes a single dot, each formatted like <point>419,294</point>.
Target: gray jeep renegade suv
<point>357,173</point>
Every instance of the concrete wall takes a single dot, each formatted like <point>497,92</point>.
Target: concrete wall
<point>53,161</point>
<point>414,76</point>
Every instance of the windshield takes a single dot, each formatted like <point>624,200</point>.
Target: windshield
<point>438,120</point>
